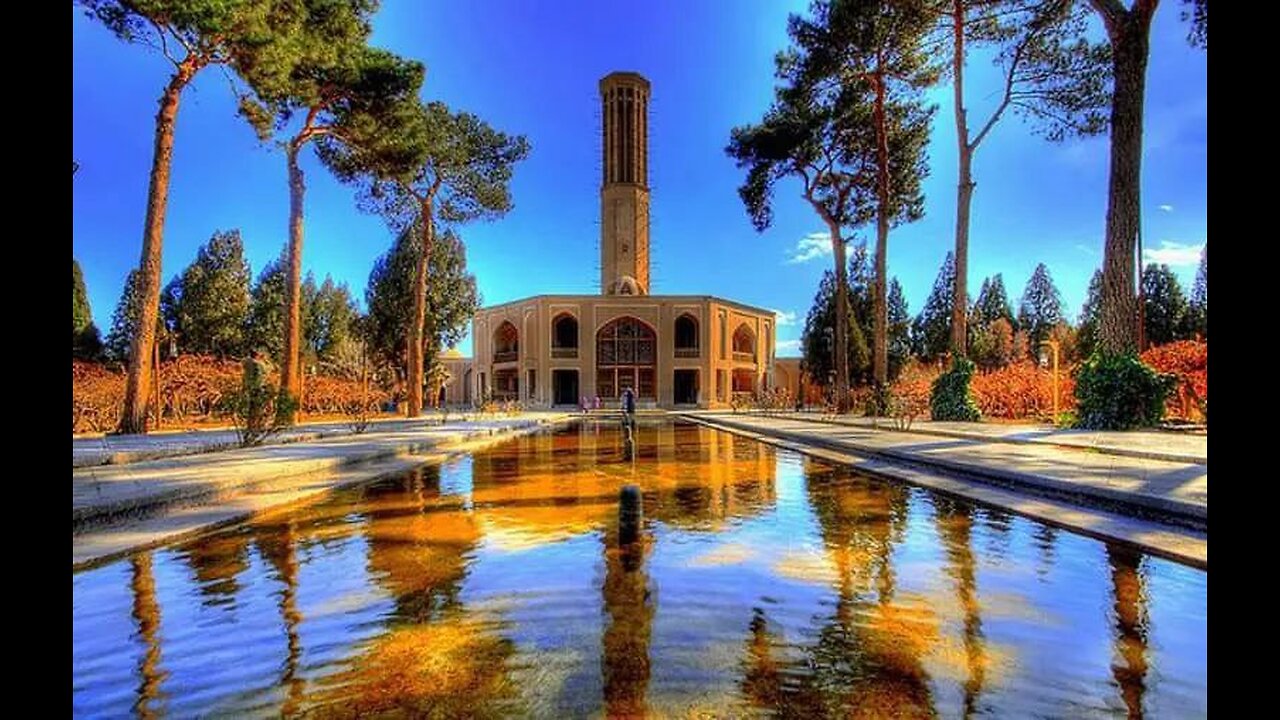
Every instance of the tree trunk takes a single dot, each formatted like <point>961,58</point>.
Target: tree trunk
<point>841,360</point>
<point>419,312</point>
<point>133,416</point>
<point>964,189</point>
<point>291,363</point>
<point>880,362</point>
<point>1130,42</point>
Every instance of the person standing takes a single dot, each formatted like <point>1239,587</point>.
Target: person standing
<point>629,405</point>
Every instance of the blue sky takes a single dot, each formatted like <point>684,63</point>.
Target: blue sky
<point>532,68</point>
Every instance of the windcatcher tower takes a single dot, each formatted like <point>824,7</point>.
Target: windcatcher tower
<point>624,196</point>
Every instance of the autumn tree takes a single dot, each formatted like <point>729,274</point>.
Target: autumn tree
<point>452,298</point>
<point>335,88</point>
<point>1041,308</point>
<point>438,164</point>
<point>245,35</point>
<point>1164,305</point>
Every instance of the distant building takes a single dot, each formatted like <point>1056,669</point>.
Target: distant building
<point>673,350</point>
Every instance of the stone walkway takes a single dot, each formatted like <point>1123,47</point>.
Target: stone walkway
<point>1170,487</point>
<point>99,449</point>
<point>1186,447</point>
<point>118,507</point>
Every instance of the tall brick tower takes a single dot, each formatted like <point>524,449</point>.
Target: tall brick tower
<point>624,196</point>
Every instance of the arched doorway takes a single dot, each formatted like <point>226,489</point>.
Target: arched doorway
<point>626,356</point>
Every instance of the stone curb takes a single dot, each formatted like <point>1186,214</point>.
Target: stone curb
<point>84,517</point>
<point>960,435</point>
<point>1177,509</point>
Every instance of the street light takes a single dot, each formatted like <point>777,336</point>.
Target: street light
<point>1053,345</point>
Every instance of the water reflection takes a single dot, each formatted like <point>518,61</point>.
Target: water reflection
<point>146,612</point>
<point>763,583</point>
<point>1130,594</point>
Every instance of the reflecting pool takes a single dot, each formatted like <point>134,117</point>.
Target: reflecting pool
<point>764,583</point>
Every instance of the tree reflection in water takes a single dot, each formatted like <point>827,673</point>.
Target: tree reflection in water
<point>866,661</point>
<point>146,613</point>
<point>1129,593</point>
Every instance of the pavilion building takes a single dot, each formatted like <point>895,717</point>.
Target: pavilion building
<point>672,350</point>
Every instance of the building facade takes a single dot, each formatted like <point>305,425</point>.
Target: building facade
<point>671,350</point>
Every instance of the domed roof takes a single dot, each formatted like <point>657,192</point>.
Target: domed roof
<point>451,353</point>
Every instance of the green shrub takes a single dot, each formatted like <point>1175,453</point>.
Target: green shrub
<point>256,407</point>
<point>1118,392</point>
<point>950,398</point>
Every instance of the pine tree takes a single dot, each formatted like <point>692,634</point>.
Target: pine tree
<point>1087,337</point>
<point>451,301</point>
<point>251,36</point>
<point>332,314</point>
<point>1041,308</point>
<point>433,164</point>
<point>932,328</point>
<point>123,320</point>
<point>993,302</point>
<point>86,343</point>
<point>264,332</point>
<point>1164,305</point>
<point>1198,309</point>
<point>209,305</point>
<point>817,341</point>
<point>899,330</point>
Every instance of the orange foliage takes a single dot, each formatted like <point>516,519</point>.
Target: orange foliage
<point>1022,390</point>
<point>911,391</point>
<point>96,397</point>
<point>1189,360</point>
<point>190,388</point>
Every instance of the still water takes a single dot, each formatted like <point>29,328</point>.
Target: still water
<point>764,584</point>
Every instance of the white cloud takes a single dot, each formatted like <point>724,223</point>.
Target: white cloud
<point>1086,249</point>
<point>1173,254</point>
<point>788,346</point>
<point>1166,208</point>
<point>786,318</point>
<point>811,247</point>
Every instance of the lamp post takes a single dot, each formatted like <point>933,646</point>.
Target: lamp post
<point>1053,345</point>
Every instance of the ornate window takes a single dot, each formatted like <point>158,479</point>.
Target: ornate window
<point>744,344</point>
<point>506,343</point>
<point>626,356</point>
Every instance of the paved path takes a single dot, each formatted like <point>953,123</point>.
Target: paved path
<point>1175,488</point>
<point>1174,446</point>
<point>100,449</point>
